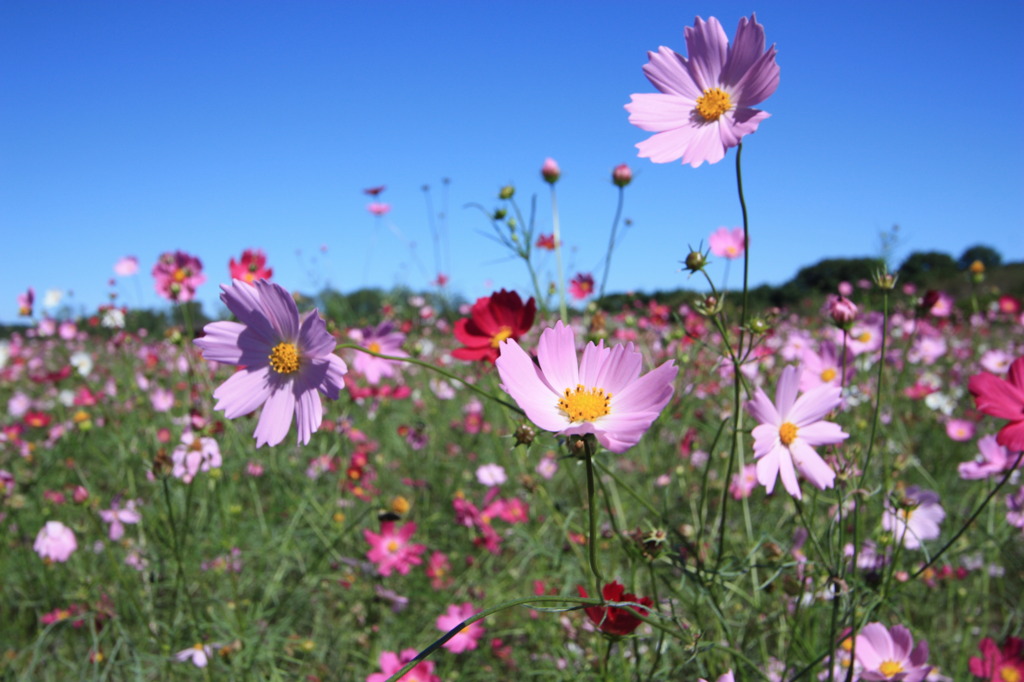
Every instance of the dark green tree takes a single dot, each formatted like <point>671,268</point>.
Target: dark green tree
<point>986,254</point>
<point>922,265</point>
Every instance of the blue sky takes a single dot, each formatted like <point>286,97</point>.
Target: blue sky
<point>210,127</point>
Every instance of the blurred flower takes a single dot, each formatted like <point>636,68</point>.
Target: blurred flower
<point>999,664</point>
<point>198,654</point>
<point>494,318</point>
<point>616,620</point>
<point>704,103</point>
<point>468,637</point>
<point>391,549</point>
<point>960,430</point>
<point>437,570</point>
<point>251,267</point>
<point>491,475</point>
<point>550,171</point>
<point>622,175</point>
<point>602,394</point>
<point>917,519</point>
<point>378,208</point>
<point>890,654</point>
<point>177,276</point>
<point>727,677</point>
<point>55,542</point>
<point>824,366</point>
<point>286,358</point>
<point>127,266</point>
<point>391,663</point>
<point>996,361</point>
<point>374,191</point>
<point>743,482</point>
<point>1004,399</point>
<point>992,459</point>
<point>52,298</point>
<point>382,339</point>
<point>117,516</point>
<point>581,286</point>
<point>726,243</point>
<point>26,301</point>
<point>790,429</point>
<point>193,455</point>
<point>842,310</point>
<point>546,242</point>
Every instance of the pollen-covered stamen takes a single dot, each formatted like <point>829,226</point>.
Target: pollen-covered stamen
<point>284,358</point>
<point>374,347</point>
<point>890,668</point>
<point>713,103</point>
<point>787,433</point>
<point>582,404</point>
<point>502,334</point>
<point>828,374</point>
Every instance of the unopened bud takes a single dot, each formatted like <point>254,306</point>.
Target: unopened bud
<point>695,261</point>
<point>842,310</point>
<point>506,192</point>
<point>622,175</point>
<point>525,434</point>
<point>550,171</point>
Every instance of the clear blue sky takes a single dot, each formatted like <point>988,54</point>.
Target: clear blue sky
<point>141,127</point>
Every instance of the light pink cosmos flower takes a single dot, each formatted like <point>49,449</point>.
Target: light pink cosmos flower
<point>727,677</point>
<point>177,275</point>
<point>382,339</point>
<point>726,243</point>
<point>960,430</point>
<point>55,542</point>
<point>917,519</point>
<point>198,654</point>
<point>378,208</point>
<point>193,455</point>
<point>391,549</point>
<point>992,460</point>
<point>788,431</point>
<point>603,394</point>
<point>286,358</point>
<point>391,663</point>
<point>890,654</point>
<point>491,475</point>
<point>468,637</point>
<point>704,103</point>
<point>117,516</point>
<point>824,366</point>
<point>127,266</point>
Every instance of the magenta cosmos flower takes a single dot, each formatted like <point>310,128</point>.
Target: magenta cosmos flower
<point>391,549</point>
<point>704,103</point>
<point>285,360</point>
<point>1003,398</point>
<point>602,394</point>
<point>177,275</point>
<point>790,429</point>
<point>382,339</point>
<point>890,654</point>
<point>468,637</point>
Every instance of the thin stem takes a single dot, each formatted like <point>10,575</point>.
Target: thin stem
<point>588,449</point>
<point>557,236</point>
<point>611,246</point>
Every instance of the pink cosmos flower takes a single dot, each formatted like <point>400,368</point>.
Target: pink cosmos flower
<point>726,243</point>
<point>251,267</point>
<point>727,677</point>
<point>704,103</point>
<point>917,519</point>
<point>378,208</point>
<point>602,394</point>
<point>491,475</point>
<point>286,358</point>
<point>198,654</point>
<point>1015,508</point>
<point>26,302</point>
<point>743,482</point>
<point>117,516</point>
<point>1004,399</point>
<point>581,286</point>
<point>992,460</point>
<point>999,664</point>
<point>126,267</point>
<point>391,549</point>
<point>824,366</point>
<point>177,276</point>
<point>391,663</point>
<point>890,654</point>
<point>55,542</point>
<point>468,637</point>
<point>960,430</point>
<point>193,455</point>
<point>382,339</point>
<point>789,429</point>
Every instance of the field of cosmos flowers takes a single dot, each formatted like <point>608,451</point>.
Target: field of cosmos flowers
<point>520,488</point>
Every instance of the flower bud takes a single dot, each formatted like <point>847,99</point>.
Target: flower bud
<point>622,175</point>
<point>550,171</point>
<point>525,434</point>
<point>506,192</point>
<point>695,261</point>
<point>842,310</point>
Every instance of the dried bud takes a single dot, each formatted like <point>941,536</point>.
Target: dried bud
<point>525,434</point>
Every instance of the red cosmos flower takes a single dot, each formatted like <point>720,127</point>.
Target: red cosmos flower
<point>581,286</point>
<point>374,191</point>
<point>251,267</point>
<point>999,664</point>
<point>1003,398</point>
<point>493,319</point>
<point>37,419</point>
<point>546,242</point>
<point>615,620</point>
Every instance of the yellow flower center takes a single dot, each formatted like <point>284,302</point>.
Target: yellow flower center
<point>284,359</point>
<point>977,267</point>
<point>583,404</point>
<point>787,433</point>
<point>198,646</point>
<point>374,347</point>
<point>864,337</point>
<point>180,274</point>
<point>1009,674</point>
<point>828,375</point>
<point>502,334</point>
<point>392,546</point>
<point>890,668</point>
<point>713,103</point>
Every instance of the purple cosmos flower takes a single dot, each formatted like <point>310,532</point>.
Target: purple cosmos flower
<point>602,394</point>
<point>380,339</point>
<point>917,519</point>
<point>117,516</point>
<point>789,429</point>
<point>890,654</point>
<point>704,103</point>
<point>285,358</point>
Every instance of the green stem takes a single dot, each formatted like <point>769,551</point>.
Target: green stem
<point>557,236</point>
<point>611,246</point>
<point>588,448</point>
